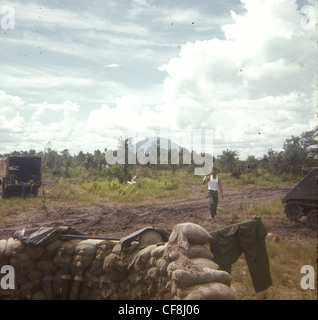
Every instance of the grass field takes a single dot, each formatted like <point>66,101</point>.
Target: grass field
<point>286,261</point>
<point>286,257</point>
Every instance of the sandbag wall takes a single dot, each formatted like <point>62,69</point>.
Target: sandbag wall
<point>179,269</point>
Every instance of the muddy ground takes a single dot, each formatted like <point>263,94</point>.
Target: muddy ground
<point>107,219</point>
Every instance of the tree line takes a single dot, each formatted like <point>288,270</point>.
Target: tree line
<point>297,153</point>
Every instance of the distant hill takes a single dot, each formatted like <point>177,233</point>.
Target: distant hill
<point>149,141</point>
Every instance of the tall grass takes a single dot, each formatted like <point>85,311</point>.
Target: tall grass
<point>286,261</point>
<point>153,184</point>
<point>264,209</point>
<point>285,258</point>
<point>145,188</point>
<point>16,204</point>
<point>260,178</point>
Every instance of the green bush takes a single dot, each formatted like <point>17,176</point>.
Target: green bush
<point>116,171</point>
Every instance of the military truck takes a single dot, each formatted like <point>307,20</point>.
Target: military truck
<point>302,200</point>
<point>17,170</point>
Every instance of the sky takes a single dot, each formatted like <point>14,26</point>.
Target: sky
<point>78,75</point>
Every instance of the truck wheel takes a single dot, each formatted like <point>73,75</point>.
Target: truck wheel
<point>312,219</point>
<point>293,210</point>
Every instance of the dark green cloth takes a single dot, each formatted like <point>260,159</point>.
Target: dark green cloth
<point>249,238</point>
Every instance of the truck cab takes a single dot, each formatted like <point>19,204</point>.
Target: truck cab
<point>17,170</point>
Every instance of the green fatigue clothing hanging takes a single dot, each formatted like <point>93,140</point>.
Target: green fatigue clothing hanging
<point>249,238</point>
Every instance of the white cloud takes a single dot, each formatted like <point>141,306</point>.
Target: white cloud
<point>254,88</point>
<point>68,109</point>
<point>113,65</point>
<point>9,105</point>
<point>243,84</point>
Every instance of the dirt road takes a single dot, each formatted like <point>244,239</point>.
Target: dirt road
<point>110,220</point>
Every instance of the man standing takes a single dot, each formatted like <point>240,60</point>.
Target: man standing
<point>27,189</point>
<point>214,184</point>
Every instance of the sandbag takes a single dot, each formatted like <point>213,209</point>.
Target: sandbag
<point>26,290</point>
<point>152,274</point>
<point>103,250</point>
<point>205,263</point>
<point>126,241</point>
<point>3,244</point>
<point>82,261</point>
<point>142,257</point>
<point>91,280</point>
<point>199,251</point>
<point>68,247</point>
<point>188,233</point>
<point>36,276</point>
<point>45,265</point>
<point>173,252</point>
<point>62,260</point>
<point>210,291</point>
<point>96,267</point>
<point>184,278</point>
<point>171,267</point>
<point>65,251</point>
<point>87,247</point>
<point>13,247</point>
<point>149,237</point>
<point>115,267</point>
<point>22,261</point>
<point>35,252</point>
<point>158,251</point>
<point>52,248</point>
<point>162,265</point>
<point>135,292</point>
<point>151,262</point>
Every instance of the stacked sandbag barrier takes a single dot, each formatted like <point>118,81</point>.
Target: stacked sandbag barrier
<point>180,268</point>
<point>191,271</point>
<point>63,269</point>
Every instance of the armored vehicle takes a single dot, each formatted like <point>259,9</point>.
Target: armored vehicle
<point>15,171</point>
<point>302,200</point>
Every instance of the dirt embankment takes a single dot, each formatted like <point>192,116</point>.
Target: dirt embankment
<point>118,220</point>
